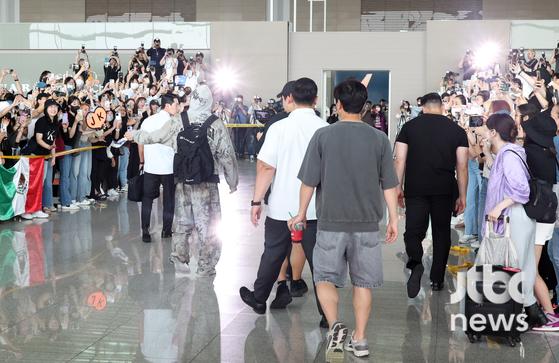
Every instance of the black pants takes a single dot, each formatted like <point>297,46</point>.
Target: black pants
<point>277,246</point>
<point>418,211</point>
<point>99,167</point>
<point>151,192</point>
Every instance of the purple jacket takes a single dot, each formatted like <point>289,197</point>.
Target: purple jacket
<point>509,178</point>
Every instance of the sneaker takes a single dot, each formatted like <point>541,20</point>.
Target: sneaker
<point>283,296</point>
<point>298,288</point>
<point>414,282</point>
<point>27,216</point>
<point>84,203</point>
<point>124,189</point>
<point>359,348</point>
<point>475,244</point>
<point>112,193</point>
<point>466,239</point>
<point>181,268</point>
<point>551,325</point>
<point>335,343</point>
<point>251,158</point>
<point>70,207</point>
<point>248,298</point>
<point>50,209</point>
<point>40,214</point>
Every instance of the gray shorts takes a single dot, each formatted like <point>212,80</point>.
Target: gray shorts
<point>334,251</point>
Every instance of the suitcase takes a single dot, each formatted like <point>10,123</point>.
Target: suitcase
<point>488,308</point>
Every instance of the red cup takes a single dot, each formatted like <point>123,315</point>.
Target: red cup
<point>297,234</point>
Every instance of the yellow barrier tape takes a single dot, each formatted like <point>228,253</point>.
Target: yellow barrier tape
<point>243,126</point>
<point>62,153</point>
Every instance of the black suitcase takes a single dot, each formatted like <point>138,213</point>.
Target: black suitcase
<point>491,310</point>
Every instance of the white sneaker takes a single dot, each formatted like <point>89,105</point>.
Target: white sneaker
<point>84,203</point>
<point>124,189</point>
<point>475,244</point>
<point>466,239</point>
<point>27,216</point>
<point>40,214</point>
<point>70,207</point>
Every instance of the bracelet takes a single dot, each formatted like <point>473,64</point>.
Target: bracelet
<point>255,204</point>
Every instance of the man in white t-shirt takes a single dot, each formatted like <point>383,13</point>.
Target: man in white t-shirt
<point>278,164</point>
<point>158,170</point>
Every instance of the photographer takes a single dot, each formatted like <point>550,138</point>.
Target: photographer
<point>182,63</point>
<point>255,106</point>
<point>333,118</point>
<point>555,58</point>
<point>531,62</point>
<point>156,54</point>
<point>467,66</point>
<point>169,62</point>
<point>200,67</point>
<point>112,69</point>
<point>80,68</point>
<point>240,115</point>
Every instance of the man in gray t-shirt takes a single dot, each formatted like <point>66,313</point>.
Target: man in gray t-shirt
<point>350,164</point>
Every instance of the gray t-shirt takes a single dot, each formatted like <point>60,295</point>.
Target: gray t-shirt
<point>349,163</point>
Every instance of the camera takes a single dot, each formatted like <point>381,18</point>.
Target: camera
<point>115,52</point>
<point>142,46</point>
<point>120,76</point>
<point>83,48</point>
<point>74,67</point>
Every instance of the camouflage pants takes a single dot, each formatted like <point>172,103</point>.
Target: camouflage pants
<point>197,214</point>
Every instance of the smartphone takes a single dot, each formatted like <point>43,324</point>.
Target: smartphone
<point>3,128</point>
<point>112,81</point>
<point>476,121</point>
<point>22,119</point>
<point>65,118</point>
<point>538,75</point>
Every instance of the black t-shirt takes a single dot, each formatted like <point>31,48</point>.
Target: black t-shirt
<point>49,130</point>
<point>69,141</point>
<point>431,160</point>
<point>111,73</point>
<point>180,67</point>
<point>275,118</point>
<point>155,55</point>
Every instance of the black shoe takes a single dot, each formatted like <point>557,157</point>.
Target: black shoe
<point>437,286</point>
<point>248,297</point>
<point>166,234</point>
<point>324,323</point>
<point>298,288</point>
<point>283,297</point>
<point>146,237</point>
<point>536,316</point>
<point>414,283</point>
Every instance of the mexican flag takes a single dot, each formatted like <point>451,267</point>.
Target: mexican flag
<point>21,188</point>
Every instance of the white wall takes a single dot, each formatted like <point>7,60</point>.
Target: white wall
<point>257,51</point>
<point>400,53</point>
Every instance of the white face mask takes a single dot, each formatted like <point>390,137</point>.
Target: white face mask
<point>134,86</point>
<point>110,117</point>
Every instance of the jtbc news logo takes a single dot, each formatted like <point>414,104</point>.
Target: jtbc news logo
<point>499,287</point>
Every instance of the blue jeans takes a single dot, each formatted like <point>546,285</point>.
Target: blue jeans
<point>481,205</point>
<point>47,185</point>
<point>123,166</point>
<point>472,195</point>
<point>553,252</point>
<point>82,168</point>
<point>65,171</point>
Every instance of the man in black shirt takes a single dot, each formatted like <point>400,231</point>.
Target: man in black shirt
<point>429,150</point>
<point>155,54</point>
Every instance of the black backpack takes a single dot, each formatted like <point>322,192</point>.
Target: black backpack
<point>194,162</point>
<point>542,205</point>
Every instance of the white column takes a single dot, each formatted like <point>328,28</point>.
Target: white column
<point>325,15</point>
<point>294,15</point>
<point>310,16</point>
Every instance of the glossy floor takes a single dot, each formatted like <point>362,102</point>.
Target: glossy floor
<point>83,287</point>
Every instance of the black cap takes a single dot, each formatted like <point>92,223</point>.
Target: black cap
<point>287,89</point>
<point>154,102</point>
<point>51,102</point>
<point>541,129</point>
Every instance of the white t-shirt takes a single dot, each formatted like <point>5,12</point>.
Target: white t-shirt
<point>284,148</point>
<point>158,158</point>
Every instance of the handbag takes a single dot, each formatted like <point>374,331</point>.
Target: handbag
<point>496,249</point>
<point>542,204</point>
<point>136,188</point>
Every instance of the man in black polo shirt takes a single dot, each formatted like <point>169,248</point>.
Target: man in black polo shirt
<point>155,54</point>
<point>430,149</point>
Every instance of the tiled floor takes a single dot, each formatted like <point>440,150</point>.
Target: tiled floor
<point>50,272</point>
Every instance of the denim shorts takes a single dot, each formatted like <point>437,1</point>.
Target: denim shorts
<point>335,251</point>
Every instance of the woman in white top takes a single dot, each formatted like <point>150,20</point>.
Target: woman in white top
<point>170,64</point>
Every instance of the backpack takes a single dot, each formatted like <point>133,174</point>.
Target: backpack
<point>542,205</point>
<point>194,162</point>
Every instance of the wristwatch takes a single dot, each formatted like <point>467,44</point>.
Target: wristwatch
<point>255,204</point>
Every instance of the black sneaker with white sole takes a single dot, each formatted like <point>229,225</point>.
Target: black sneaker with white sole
<point>335,343</point>
<point>359,348</point>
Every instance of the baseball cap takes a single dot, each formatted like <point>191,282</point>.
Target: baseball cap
<point>287,89</point>
<point>51,102</point>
